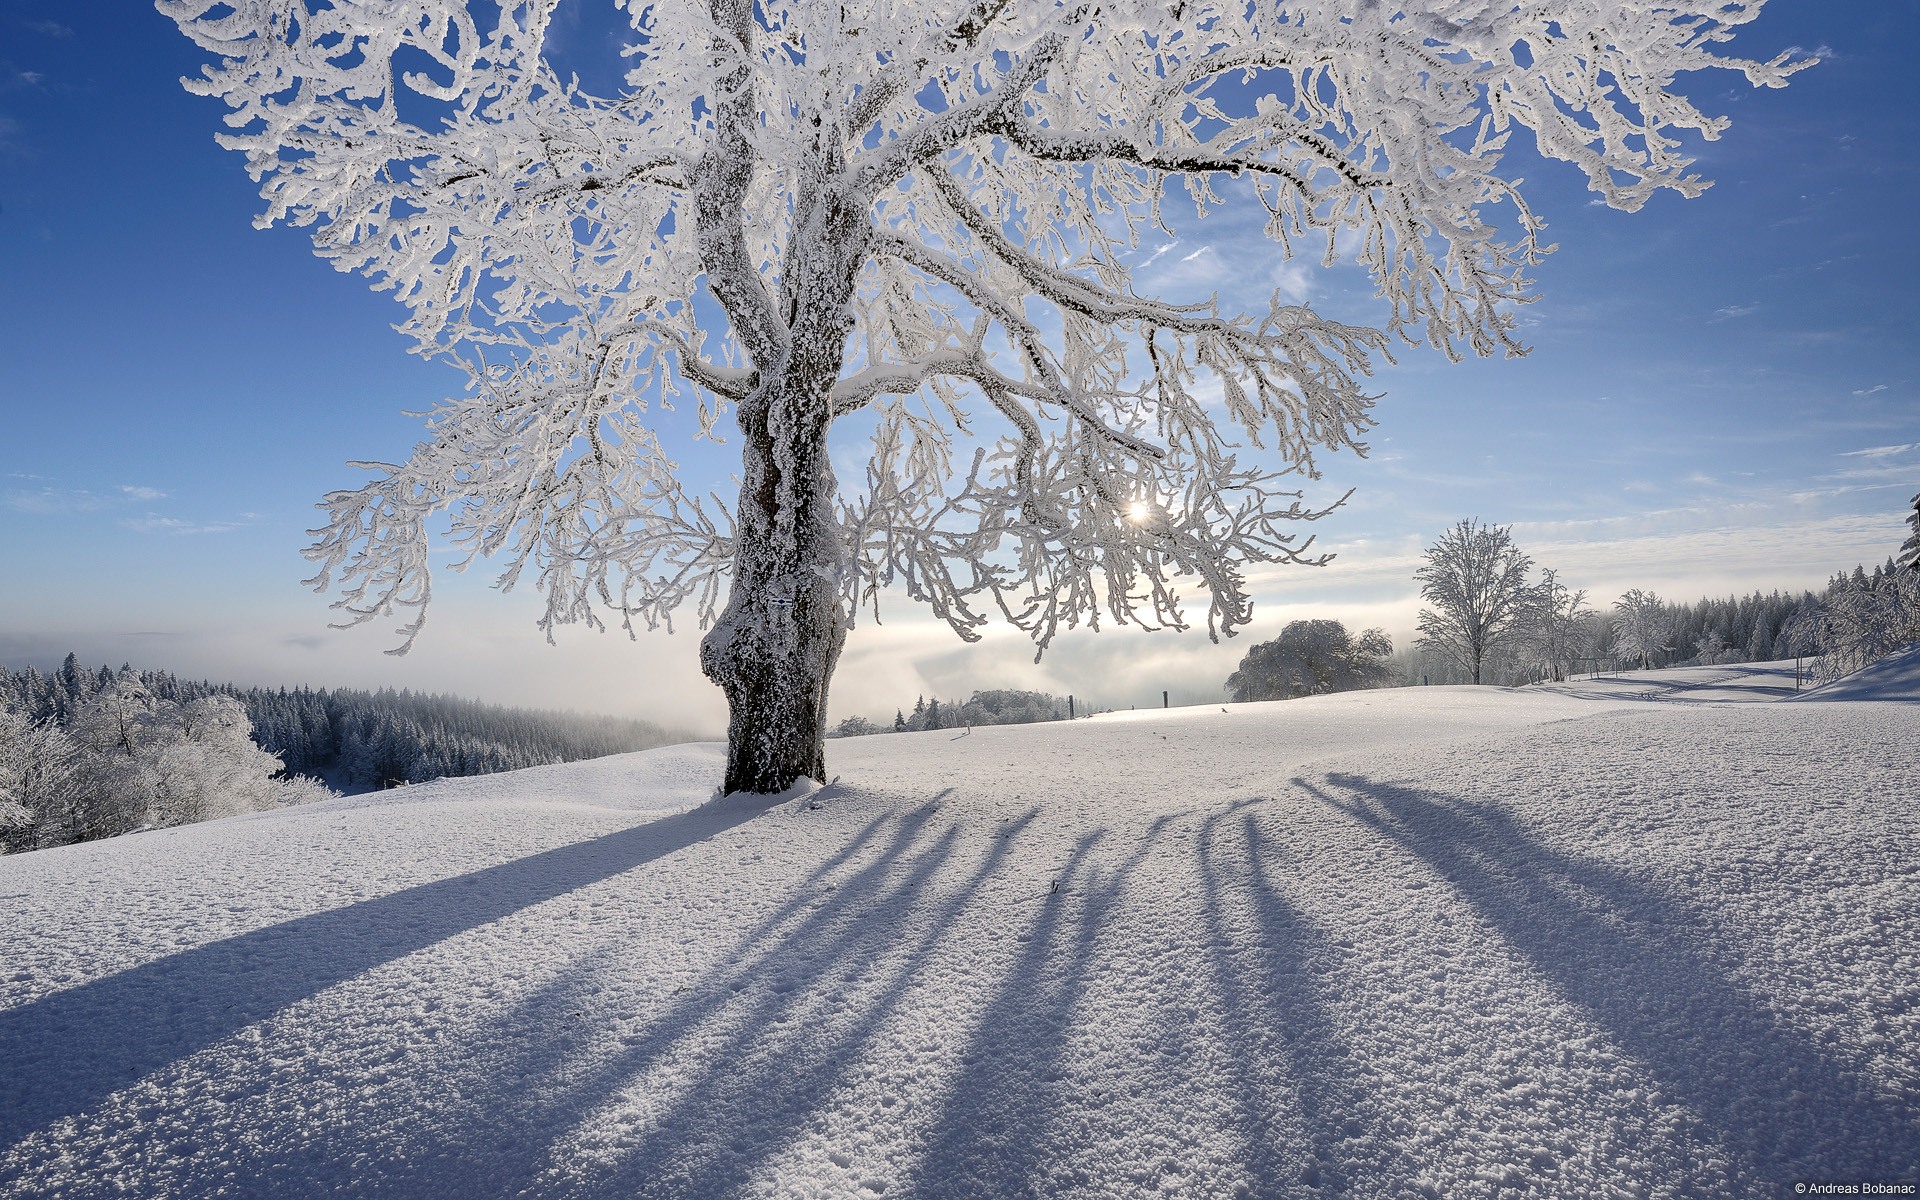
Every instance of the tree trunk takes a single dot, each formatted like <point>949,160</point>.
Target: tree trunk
<point>774,647</point>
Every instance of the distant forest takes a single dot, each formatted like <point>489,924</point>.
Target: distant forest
<point>358,741</point>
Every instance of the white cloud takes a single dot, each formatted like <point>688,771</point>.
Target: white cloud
<point>1734,311</point>
<point>154,523</point>
<point>1149,261</point>
<point>1876,388</point>
<point>1879,451</point>
<point>133,492</point>
<point>50,500</point>
<point>1293,279</point>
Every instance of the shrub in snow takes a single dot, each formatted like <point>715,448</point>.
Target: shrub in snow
<point>927,215</point>
<point>1557,628</point>
<point>1711,648</point>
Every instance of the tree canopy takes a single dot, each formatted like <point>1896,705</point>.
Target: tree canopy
<point>1312,658</point>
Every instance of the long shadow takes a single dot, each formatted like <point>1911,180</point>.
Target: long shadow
<point>1646,967</point>
<point>990,1139</point>
<point>1292,1076</point>
<point>772,1068</point>
<point>68,1051</point>
<point>761,1099</point>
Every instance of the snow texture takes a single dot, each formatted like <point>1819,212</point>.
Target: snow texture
<point>1557,941</point>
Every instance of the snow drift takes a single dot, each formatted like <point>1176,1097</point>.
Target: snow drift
<point>1443,942</point>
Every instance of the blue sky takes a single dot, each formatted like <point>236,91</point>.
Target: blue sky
<point>1722,395</point>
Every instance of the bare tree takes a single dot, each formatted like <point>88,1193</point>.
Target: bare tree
<point>1558,628</point>
<point>1475,578</point>
<point>1642,626</point>
<point>924,214</point>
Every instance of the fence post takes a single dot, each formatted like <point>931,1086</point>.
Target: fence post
<point>1069,706</point>
<point>1163,701</point>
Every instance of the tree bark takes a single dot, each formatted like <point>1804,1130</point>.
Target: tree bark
<point>774,648</point>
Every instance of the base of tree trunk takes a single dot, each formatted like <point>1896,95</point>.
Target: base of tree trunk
<point>774,667</point>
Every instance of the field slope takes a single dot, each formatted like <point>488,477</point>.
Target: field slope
<point>1577,941</point>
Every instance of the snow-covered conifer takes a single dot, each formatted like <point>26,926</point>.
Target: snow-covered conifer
<point>927,214</point>
<point>1909,556</point>
<point>1711,648</point>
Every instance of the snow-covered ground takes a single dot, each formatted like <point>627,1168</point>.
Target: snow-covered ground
<point>1428,942</point>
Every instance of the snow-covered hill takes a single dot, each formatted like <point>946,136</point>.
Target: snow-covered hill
<point>1426,942</point>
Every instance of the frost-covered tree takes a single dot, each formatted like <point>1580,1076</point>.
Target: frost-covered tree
<point>1313,658</point>
<point>922,216</point>
<point>1711,648</point>
<point>1860,621</point>
<point>1642,626</point>
<point>1475,580</point>
<point>206,766</point>
<point>39,782</point>
<point>1558,628</point>
<point>1910,549</point>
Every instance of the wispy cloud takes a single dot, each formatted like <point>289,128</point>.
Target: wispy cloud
<point>1734,311</point>
<point>58,500</point>
<point>1874,390</point>
<point>1151,258</point>
<point>50,29</point>
<point>154,523</point>
<point>1879,451</point>
<point>136,492</point>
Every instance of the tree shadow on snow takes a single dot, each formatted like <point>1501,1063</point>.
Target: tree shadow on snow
<point>1647,967</point>
<point>68,1051</point>
<point>1307,1119</point>
<point>773,1032</point>
<point>992,1134</point>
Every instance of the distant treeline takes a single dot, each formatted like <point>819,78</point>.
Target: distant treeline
<point>358,740</point>
<point>998,706</point>
<point>1757,627</point>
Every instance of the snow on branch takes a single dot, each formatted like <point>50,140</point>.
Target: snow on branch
<point>922,214</point>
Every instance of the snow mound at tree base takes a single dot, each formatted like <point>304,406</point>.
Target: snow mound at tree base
<point>1430,942</point>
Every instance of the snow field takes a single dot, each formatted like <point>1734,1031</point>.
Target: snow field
<point>1443,942</point>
